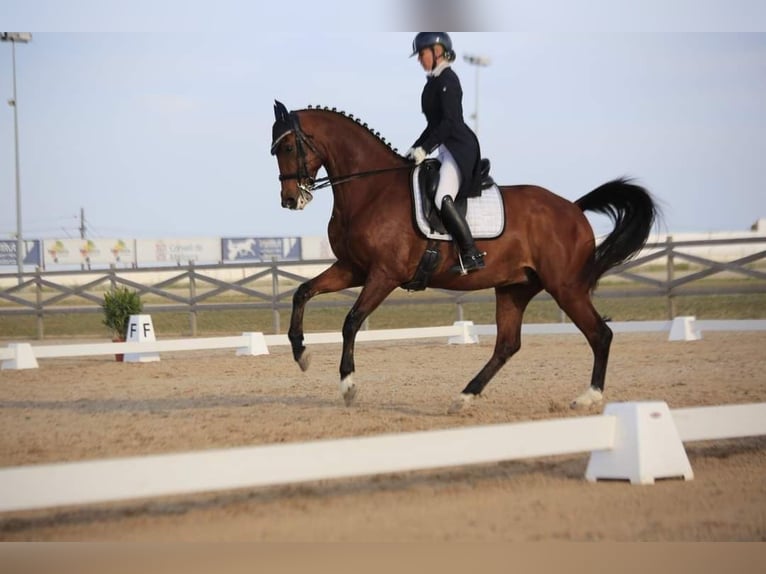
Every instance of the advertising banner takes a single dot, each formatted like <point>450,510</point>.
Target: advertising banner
<point>178,251</point>
<point>261,248</point>
<point>316,247</point>
<point>32,253</point>
<point>89,252</point>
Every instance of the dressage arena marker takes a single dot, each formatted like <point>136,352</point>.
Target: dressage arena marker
<point>467,335</point>
<point>19,356</point>
<point>639,442</point>
<point>647,446</point>
<point>684,329</point>
<point>25,355</point>
<point>141,330</point>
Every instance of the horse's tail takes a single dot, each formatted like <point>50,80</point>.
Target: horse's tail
<point>633,212</point>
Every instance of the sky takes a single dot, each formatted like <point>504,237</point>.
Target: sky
<point>155,117</point>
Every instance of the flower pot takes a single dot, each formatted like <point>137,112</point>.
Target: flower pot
<point>118,356</point>
<point>118,305</point>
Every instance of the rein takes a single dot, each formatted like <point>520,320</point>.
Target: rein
<point>327,181</point>
<point>307,184</point>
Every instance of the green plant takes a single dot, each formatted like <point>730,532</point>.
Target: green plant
<point>118,305</point>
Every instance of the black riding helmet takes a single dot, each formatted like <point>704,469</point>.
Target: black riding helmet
<point>430,39</point>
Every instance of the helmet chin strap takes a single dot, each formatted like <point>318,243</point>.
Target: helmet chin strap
<point>434,59</point>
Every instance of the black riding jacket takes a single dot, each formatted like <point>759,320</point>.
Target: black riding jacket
<point>442,104</point>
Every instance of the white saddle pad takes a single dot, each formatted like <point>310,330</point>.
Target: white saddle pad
<point>485,214</point>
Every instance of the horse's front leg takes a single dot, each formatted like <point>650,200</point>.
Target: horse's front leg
<point>334,278</point>
<point>373,294</point>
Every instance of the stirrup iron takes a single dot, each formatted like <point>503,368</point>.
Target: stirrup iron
<point>460,267</point>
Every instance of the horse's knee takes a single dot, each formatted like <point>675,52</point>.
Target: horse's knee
<point>302,294</point>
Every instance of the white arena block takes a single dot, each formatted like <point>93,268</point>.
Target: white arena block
<point>23,357</point>
<point>141,330</point>
<point>684,329</point>
<point>466,334</point>
<point>647,446</point>
<point>255,344</point>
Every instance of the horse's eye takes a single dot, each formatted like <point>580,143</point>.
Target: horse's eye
<point>288,148</point>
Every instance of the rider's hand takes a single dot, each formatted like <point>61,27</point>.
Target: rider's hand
<point>418,154</point>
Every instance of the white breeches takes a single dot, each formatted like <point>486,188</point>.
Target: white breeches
<point>449,176</point>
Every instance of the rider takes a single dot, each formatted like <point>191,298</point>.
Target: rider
<point>447,133</point>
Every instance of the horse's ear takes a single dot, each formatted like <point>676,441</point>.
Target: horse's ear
<point>280,111</point>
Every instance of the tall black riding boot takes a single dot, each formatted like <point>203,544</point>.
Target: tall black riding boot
<point>471,258</point>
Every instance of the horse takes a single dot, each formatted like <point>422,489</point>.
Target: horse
<point>547,243</point>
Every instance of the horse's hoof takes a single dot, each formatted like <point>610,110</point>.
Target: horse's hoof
<point>304,360</point>
<point>462,401</point>
<point>348,390</point>
<point>590,397</point>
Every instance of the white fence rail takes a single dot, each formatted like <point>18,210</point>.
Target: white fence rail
<point>720,422</point>
<point>636,443</point>
<point>25,355</point>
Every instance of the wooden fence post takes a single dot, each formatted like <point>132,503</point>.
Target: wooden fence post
<point>192,299</point>
<point>39,303</point>
<point>670,276</point>
<point>113,276</point>
<point>275,295</point>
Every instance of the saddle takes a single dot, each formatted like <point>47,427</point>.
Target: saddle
<point>428,180</point>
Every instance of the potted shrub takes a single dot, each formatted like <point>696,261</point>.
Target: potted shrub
<point>118,305</point>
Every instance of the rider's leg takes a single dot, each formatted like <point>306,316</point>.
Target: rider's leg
<point>449,176</point>
<point>471,258</point>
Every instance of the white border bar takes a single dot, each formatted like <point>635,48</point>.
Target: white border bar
<point>61,484</point>
<point>41,486</point>
<point>720,422</point>
<point>454,330</point>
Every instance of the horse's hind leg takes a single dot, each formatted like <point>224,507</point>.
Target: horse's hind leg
<point>579,307</point>
<point>334,278</point>
<point>510,303</point>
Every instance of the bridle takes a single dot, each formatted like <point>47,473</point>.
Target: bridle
<point>306,183</point>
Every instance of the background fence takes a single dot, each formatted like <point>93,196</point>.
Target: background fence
<point>668,270</point>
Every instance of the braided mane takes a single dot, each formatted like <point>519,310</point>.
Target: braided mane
<point>357,121</point>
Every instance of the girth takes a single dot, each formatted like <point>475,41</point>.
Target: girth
<point>428,264</point>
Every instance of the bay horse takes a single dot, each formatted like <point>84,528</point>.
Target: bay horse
<point>547,242</point>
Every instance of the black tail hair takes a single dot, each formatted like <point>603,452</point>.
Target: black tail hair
<point>633,211</point>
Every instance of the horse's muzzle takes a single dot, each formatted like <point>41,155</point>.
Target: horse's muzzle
<point>299,202</point>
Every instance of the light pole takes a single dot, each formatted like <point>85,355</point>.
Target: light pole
<point>479,62</point>
<point>14,38</point>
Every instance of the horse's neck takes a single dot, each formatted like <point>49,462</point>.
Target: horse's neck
<point>350,150</point>
<point>348,158</point>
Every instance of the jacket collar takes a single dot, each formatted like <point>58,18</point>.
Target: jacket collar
<point>443,65</point>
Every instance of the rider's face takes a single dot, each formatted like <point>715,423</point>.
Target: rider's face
<point>426,56</point>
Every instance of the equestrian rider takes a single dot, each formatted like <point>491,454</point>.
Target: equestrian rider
<point>456,145</point>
